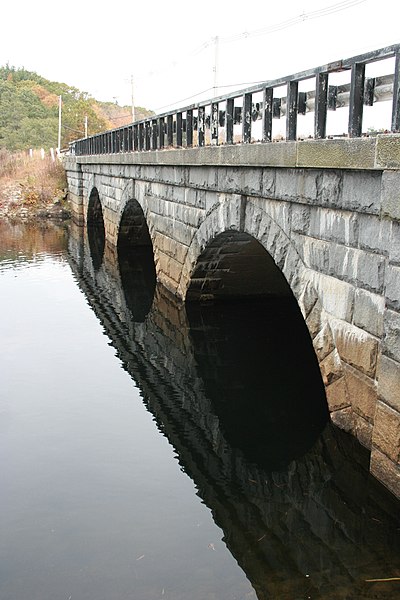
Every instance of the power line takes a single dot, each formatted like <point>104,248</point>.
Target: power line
<point>184,99</point>
<point>291,22</point>
<point>237,85</point>
<point>71,129</point>
<point>316,14</point>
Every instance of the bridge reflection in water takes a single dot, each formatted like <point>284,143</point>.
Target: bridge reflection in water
<point>238,394</point>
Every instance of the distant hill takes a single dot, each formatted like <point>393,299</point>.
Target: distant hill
<point>29,111</point>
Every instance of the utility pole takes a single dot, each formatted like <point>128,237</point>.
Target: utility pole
<point>215,69</point>
<point>86,127</point>
<point>133,100</point>
<point>59,125</point>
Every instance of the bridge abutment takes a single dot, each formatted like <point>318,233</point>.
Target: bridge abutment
<point>327,212</point>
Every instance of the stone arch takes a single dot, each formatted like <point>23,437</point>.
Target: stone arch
<point>135,255</point>
<point>133,229</point>
<point>244,217</point>
<point>90,185</point>
<point>127,194</point>
<point>94,214</point>
<point>95,228</point>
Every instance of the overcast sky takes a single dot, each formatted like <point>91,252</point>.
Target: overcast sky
<point>169,47</point>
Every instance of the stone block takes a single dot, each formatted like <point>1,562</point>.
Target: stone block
<point>374,234</point>
<point>394,247</point>
<point>298,185</point>
<point>199,198</point>
<point>166,174</point>
<point>388,151</point>
<point>256,221</point>
<point>202,177</point>
<point>316,254</point>
<point>239,180</point>
<point>353,153</point>
<point>370,271</point>
<point>329,188</point>
<point>388,376</point>
<point>308,297</point>
<point>323,343</point>
<point>271,155</point>
<point>171,247</point>
<point>391,335</point>
<point>334,225</point>
<point>167,282</point>
<point>337,396</point>
<point>292,264</point>
<point>393,288</point>
<point>153,205</point>
<point>361,191</point>
<point>268,182</point>
<point>343,418</point>
<point>362,392</point>
<point>211,199</point>
<point>362,429</point>
<point>280,212</point>
<point>336,297</point>
<point>390,195</point>
<point>356,347</point>
<point>342,262</point>
<point>331,369</point>
<point>386,434</point>
<point>176,194</point>
<point>180,212</point>
<point>386,471</point>
<point>276,243</point>
<point>230,211</point>
<point>368,312</point>
<point>300,218</point>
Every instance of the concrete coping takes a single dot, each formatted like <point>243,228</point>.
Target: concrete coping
<point>376,153</point>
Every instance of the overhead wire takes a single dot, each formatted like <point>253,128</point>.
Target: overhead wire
<point>334,8</point>
<point>322,12</point>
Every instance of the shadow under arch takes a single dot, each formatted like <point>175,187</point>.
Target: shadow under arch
<point>235,265</point>
<point>95,229</point>
<point>136,260</point>
<point>254,352</point>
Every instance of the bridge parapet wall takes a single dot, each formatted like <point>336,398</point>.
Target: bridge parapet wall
<point>327,211</point>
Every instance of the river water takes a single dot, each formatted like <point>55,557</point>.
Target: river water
<point>152,452</point>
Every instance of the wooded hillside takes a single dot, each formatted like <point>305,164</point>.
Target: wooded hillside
<point>29,111</point>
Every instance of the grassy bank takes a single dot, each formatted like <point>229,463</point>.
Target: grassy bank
<point>32,186</point>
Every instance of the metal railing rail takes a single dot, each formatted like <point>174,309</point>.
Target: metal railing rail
<point>212,122</point>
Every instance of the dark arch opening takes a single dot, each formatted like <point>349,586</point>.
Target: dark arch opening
<point>236,265</point>
<point>255,356</point>
<point>95,229</point>
<point>136,261</point>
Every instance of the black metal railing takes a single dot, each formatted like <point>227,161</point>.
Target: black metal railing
<point>231,118</point>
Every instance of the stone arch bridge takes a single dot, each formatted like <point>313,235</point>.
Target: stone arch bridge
<point>318,218</point>
<point>325,215</point>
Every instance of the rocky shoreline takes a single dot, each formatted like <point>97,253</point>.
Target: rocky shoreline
<point>15,203</point>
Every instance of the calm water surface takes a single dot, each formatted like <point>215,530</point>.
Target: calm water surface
<point>152,453</point>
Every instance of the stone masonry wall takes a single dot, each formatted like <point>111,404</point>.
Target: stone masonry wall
<point>333,232</point>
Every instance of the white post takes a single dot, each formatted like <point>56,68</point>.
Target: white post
<point>59,125</point>
<point>133,101</point>
<point>86,126</point>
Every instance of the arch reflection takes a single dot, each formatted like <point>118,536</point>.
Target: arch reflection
<point>308,522</point>
<point>136,261</point>
<point>95,229</point>
<point>258,366</point>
